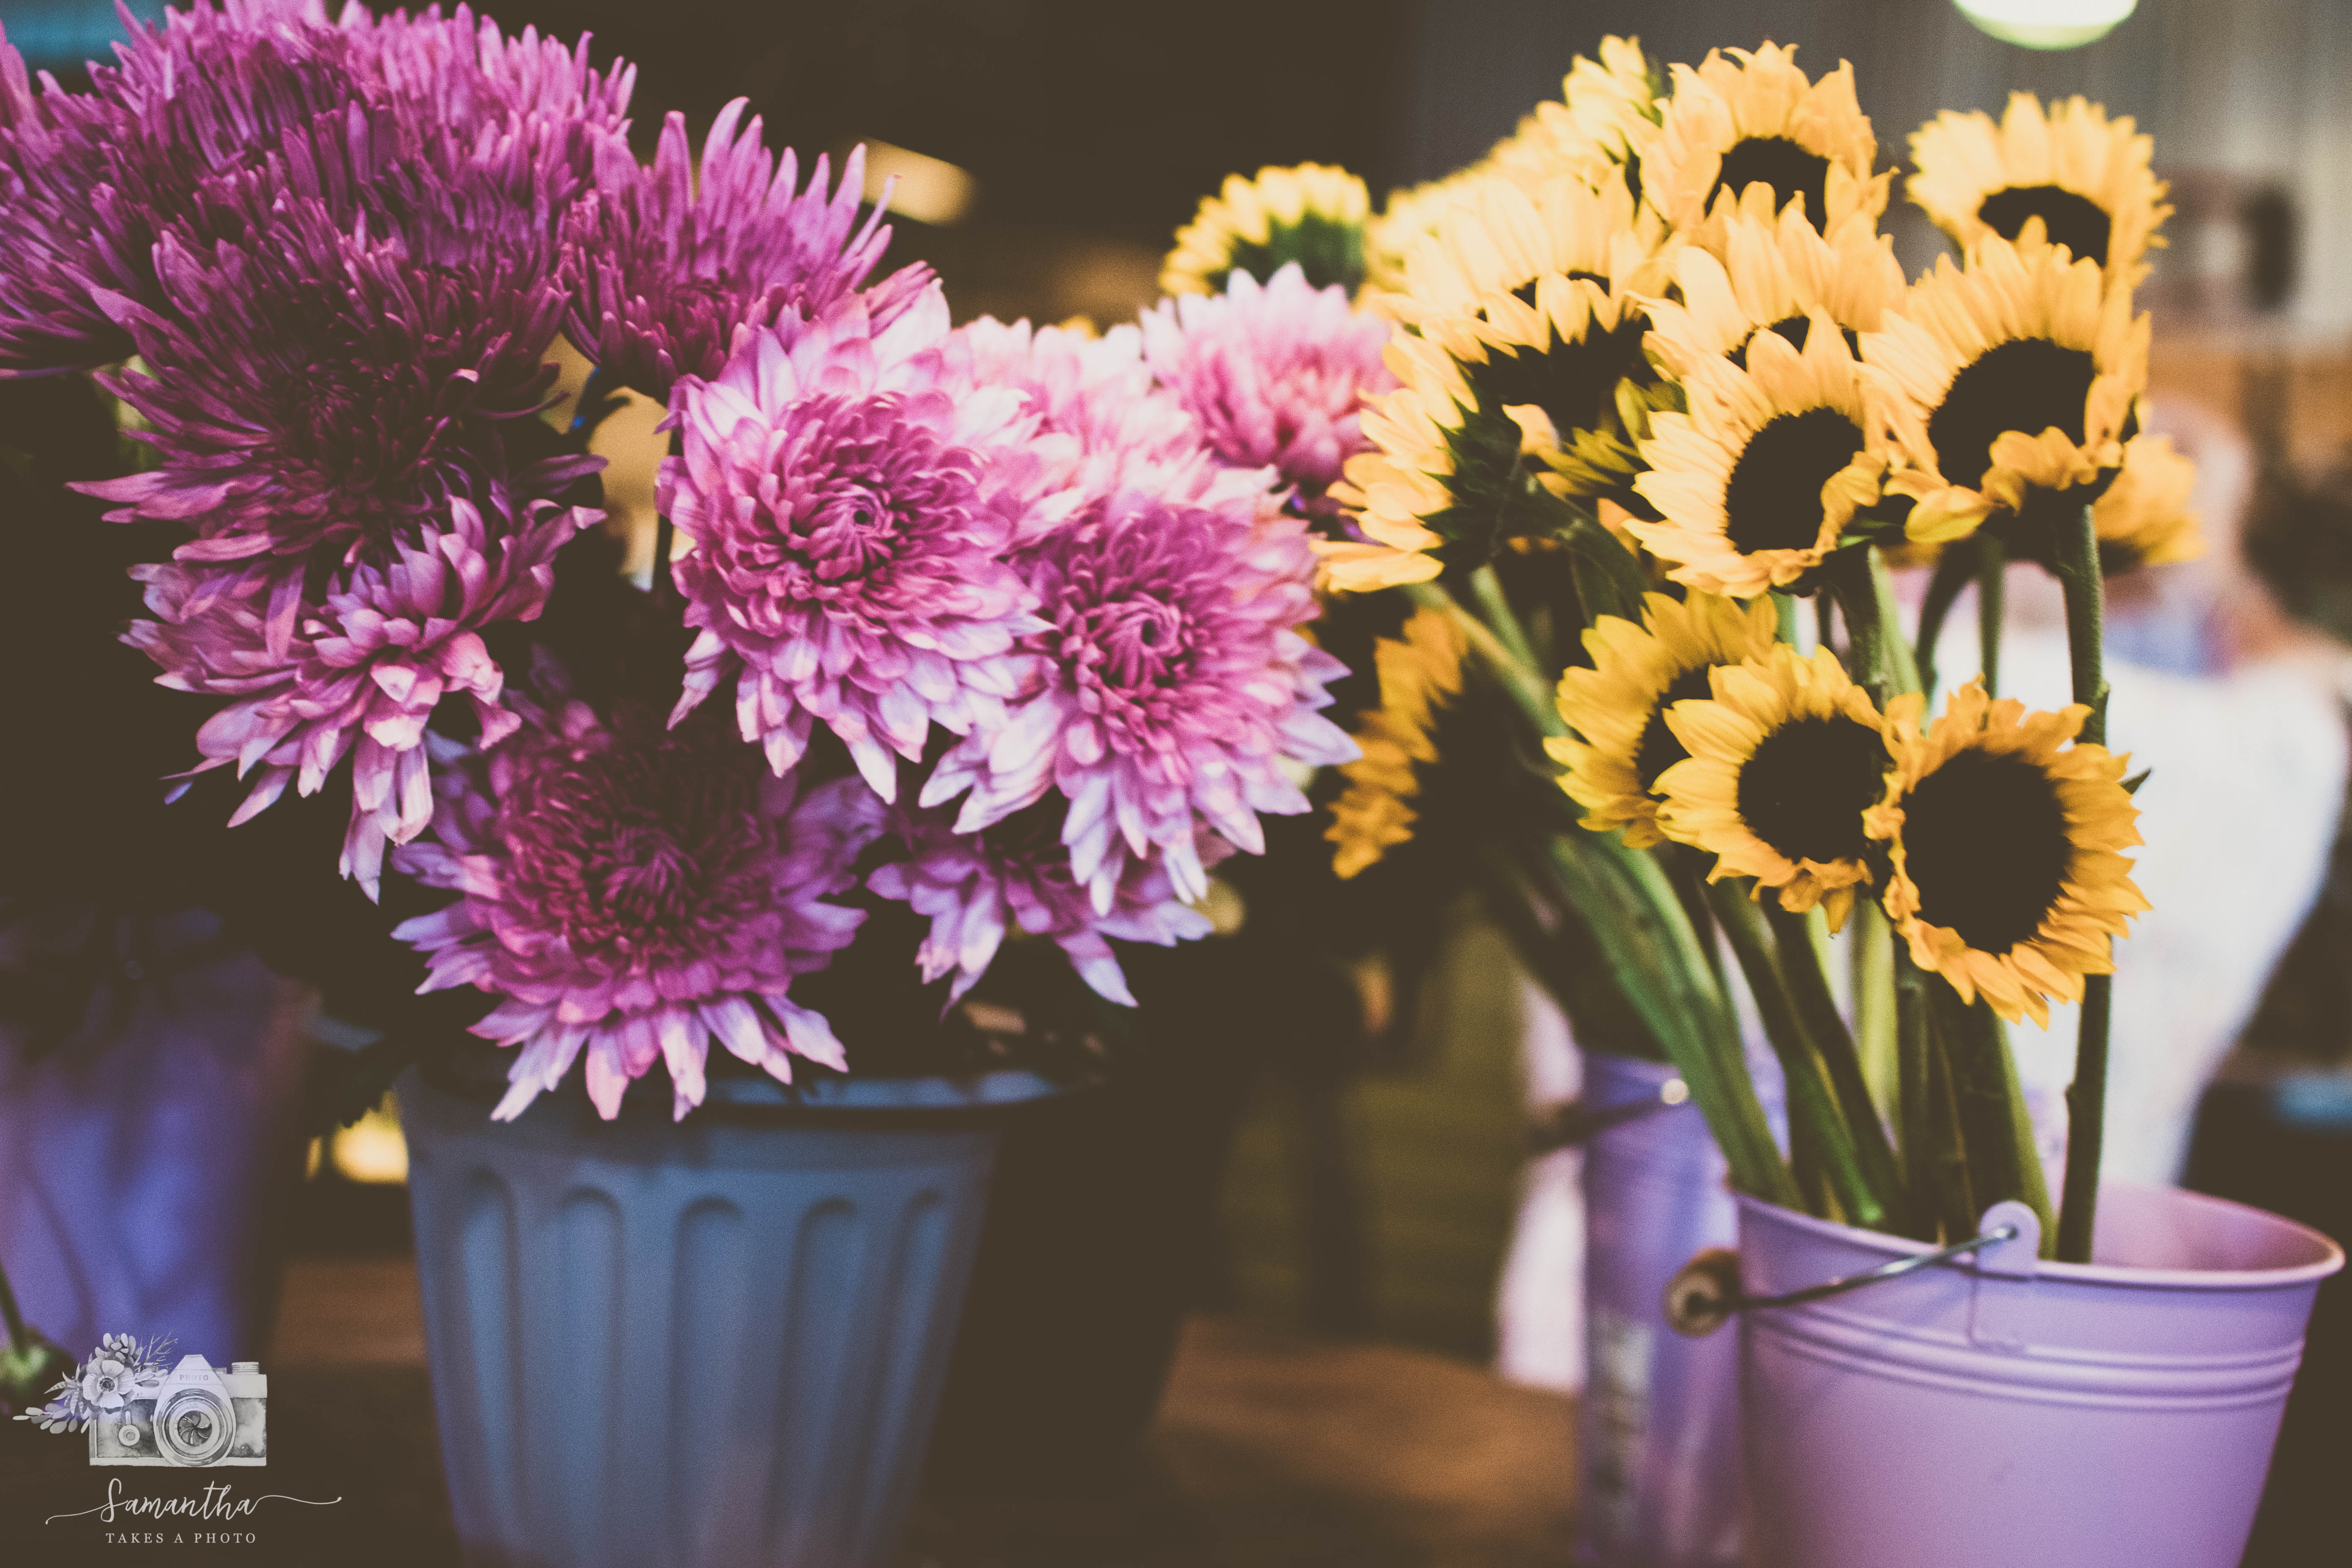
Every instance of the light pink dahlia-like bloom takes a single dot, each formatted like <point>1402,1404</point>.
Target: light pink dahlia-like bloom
<point>635,894</point>
<point>1277,374</point>
<point>357,671</point>
<point>1129,432</point>
<point>852,495</point>
<point>975,888</point>
<point>1169,694</point>
<point>664,263</point>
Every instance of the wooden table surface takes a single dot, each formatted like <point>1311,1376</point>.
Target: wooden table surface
<point>1272,1451</point>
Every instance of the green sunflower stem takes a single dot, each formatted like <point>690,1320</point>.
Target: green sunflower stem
<point>1953,571</point>
<point>1879,655</point>
<point>1486,593</point>
<point>1814,1121</point>
<point>1644,936</point>
<point>1784,605</point>
<point>1554,944</point>
<point>1900,668</point>
<point>1875,1016</point>
<point>1608,579</point>
<point>1993,589</point>
<point>1799,937</point>
<point>2086,1097</point>
<point>1520,680</point>
<point>1915,1048</point>
<point>1991,1107</point>
<point>1955,1206</point>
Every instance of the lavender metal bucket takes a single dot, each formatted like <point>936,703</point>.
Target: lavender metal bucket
<point>1659,1422</point>
<point>2017,1412</point>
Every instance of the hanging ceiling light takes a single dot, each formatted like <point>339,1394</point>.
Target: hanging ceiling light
<point>2047,23</point>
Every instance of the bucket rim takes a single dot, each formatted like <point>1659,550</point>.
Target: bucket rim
<point>929,1100</point>
<point>2330,1259</point>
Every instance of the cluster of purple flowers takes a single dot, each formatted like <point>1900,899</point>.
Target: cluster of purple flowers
<point>1044,589</point>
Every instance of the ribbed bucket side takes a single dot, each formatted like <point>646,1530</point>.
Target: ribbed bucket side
<point>703,1346</point>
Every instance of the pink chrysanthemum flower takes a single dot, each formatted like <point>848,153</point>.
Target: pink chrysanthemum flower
<point>852,495</point>
<point>665,262</point>
<point>977,888</point>
<point>1170,692</point>
<point>635,894</point>
<point>1275,374</point>
<point>358,671</point>
<point>1130,434</point>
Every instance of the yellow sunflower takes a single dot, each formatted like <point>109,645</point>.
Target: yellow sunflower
<point>1536,295</point>
<point>1410,214</point>
<point>2012,381</point>
<point>1784,759</point>
<point>1617,709</point>
<point>1756,482</point>
<point>2144,519</point>
<point>1523,337</point>
<point>1606,107</point>
<point>1420,671</point>
<point>1749,118</point>
<point>1311,214</point>
<point>1405,476</point>
<point>1771,272</point>
<point>2003,840</point>
<point>2083,177</point>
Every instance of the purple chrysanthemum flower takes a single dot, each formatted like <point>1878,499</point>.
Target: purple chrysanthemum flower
<point>1169,694</point>
<point>357,669</point>
<point>83,197</point>
<point>975,888</point>
<point>89,181</point>
<point>1275,374</point>
<point>462,76</point>
<point>1131,434</point>
<point>318,395</point>
<point>636,894</point>
<point>852,495</point>
<point>665,262</point>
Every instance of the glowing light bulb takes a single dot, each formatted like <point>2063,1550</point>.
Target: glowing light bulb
<point>2047,23</point>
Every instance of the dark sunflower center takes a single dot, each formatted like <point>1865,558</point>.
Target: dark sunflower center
<point>1659,749</point>
<point>2026,384</point>
<point>1780,164</point>
<point>1804,790</point>
<point>2076,222</point>
<point>1576,383</point>
<point>1796,328</point>
<point>1774,499</point>
<point>1526,292</point>
<point>1984,838</point>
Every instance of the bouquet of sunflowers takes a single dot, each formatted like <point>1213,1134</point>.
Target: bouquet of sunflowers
<point>1667,417</point>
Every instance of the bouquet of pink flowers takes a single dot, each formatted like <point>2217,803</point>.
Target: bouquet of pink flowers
<point>975,632</point>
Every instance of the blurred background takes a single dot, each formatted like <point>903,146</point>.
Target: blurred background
<point>1046,151</point>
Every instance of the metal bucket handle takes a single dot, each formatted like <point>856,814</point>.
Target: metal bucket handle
<point>1706,1292</point>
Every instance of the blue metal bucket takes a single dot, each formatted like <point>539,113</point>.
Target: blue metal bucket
<point>717,1342</point>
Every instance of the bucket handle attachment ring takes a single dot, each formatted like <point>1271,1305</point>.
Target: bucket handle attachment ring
<point>1704,1292</point>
